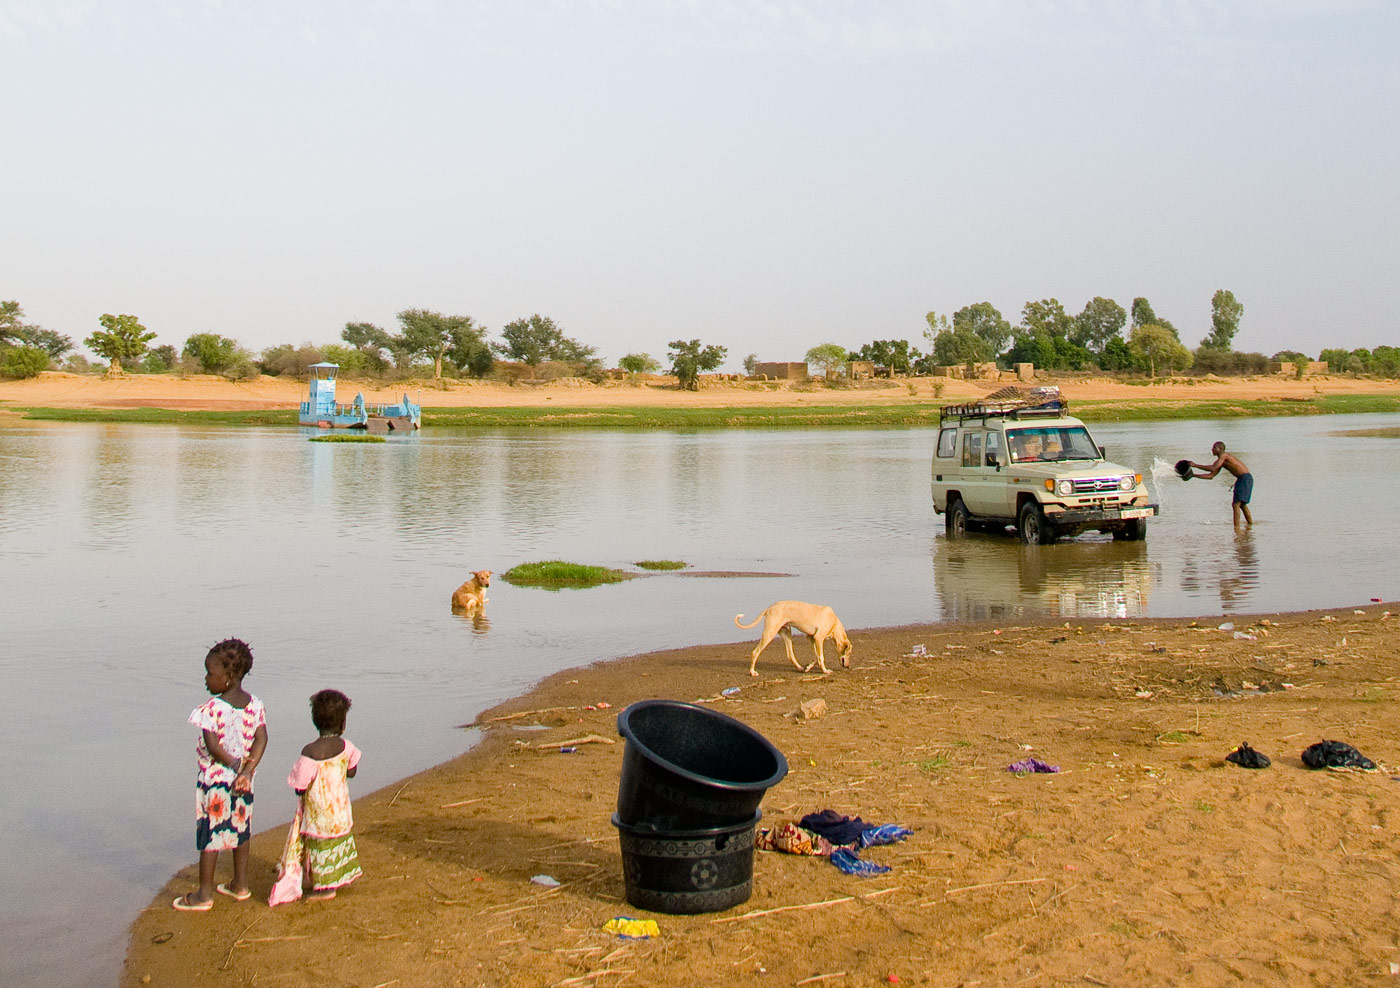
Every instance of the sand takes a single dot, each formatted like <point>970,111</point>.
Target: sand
<point>1147,860</point>
<point>59,390</point>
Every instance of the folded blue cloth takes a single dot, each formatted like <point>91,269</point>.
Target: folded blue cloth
<point>845,859</point>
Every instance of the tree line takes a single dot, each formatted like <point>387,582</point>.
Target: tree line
<point>1103,336</point>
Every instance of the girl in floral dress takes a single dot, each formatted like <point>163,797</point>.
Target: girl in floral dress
<point>320,837</point>
<point>232,738</point>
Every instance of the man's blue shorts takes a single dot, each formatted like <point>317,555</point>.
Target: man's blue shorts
<point>1244,488</point>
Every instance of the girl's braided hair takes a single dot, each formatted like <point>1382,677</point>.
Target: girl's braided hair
<point>233,655</point>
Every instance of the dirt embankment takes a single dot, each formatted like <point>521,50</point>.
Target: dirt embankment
<point>1147,860</point>
<point>205,392</point>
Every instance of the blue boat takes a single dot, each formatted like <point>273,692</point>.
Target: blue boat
<point>320,408</point>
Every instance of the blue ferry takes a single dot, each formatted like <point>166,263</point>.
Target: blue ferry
<point>320,408</point>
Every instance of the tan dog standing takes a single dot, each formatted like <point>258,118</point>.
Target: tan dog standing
<point>817,621</point>
<point>471,596</point>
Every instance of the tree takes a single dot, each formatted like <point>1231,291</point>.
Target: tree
<point>1144,316</point>
<point>370,340</point>
<point>121,338</point>
<point>1043,338</point>
<point>689,359</point>
<point>160,359</point>
<point>828,357</point>
<point>1225,312</point>
<point>1101,321</point>
<point>214,353</point>
<point>539,338</point>
<point>12,327</point>
<point>432,335</point>
<point>751,364</point>
<point>962,346</point>
<point>639,363</point>
<point>985,321</point>
<point>895,356</point>
<point>15,332</point>
<point>23,361</point>
<point>1157,346</point>
<point>472,354</point>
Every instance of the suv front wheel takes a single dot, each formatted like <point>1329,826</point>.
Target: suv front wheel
<point>1032,526</point>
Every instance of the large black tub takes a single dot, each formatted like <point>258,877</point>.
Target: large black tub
<point>688,768</point>
<point>690,871</point>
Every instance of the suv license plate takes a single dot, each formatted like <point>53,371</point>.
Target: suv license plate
<point>1137,513</point>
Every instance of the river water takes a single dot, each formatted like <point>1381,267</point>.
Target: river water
<point>125,551</point>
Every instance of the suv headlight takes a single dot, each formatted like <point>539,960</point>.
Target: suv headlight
<point>1065,487</point>
<point>1126,483</point>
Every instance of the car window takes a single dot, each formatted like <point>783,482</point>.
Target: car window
<point>948,442</point>
<point>972,449</point>
<point>993,448</point>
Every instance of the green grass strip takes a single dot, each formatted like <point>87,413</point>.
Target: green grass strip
<point>555,574</point>
<point>661,564</point>
<point>347,437</point>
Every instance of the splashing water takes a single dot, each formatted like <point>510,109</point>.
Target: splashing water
<point>1164,477</point>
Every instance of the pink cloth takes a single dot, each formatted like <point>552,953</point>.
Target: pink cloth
<point>305,769</point>
<point>288,886</point>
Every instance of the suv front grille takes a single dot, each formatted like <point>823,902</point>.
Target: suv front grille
<point>1096,485</point>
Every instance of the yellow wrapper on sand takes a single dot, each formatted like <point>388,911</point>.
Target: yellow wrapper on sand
<point>634,929</point>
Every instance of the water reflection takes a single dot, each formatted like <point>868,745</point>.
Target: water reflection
<point>995,578</point>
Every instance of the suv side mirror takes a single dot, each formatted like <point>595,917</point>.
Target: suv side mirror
<point>1103,452</point>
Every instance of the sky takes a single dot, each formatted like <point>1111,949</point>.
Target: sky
<point>766,175</point>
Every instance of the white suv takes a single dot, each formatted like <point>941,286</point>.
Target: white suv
<point>1016,458</point>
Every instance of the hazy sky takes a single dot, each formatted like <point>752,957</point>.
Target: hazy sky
<point>762,175</point>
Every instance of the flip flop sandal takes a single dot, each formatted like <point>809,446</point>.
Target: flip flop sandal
<point>321,896</point>
<point>184,904</point>
<point>238,896</point>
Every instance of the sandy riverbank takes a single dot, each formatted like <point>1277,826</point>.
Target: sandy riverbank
<point>1147,860</point>
<point>206,392</point>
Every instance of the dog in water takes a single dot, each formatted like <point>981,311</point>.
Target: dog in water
<point>817,621</point>
<point>471,596</point>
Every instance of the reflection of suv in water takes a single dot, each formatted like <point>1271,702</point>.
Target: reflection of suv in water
<point>1016,458</point>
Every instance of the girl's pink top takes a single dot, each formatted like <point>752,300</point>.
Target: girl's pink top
<point>305,769</point>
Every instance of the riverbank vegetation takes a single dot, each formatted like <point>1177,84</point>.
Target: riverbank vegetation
<point>919,413</point>
<point>555,574</point>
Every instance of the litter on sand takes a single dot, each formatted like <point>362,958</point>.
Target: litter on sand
<point>1336,754</point>
<point>1246,757</point>
<point>548,881</point>
<point>1031,766</point>
<point>632,929</point>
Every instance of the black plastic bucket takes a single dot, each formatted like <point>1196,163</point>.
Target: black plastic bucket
<point>687,871</point>
<point>687,768</point>
<point>1183,469</point>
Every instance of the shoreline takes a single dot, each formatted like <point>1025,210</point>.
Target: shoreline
<point>1147,859</point>
<point>208,400</point>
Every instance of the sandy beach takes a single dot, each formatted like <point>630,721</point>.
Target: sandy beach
<point>207,392</point>
<point>1146,860</point>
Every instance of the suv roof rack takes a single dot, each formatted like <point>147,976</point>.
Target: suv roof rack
<point>1010,402</point>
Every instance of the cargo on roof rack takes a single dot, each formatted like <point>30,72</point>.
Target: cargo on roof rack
<point>1012,403</point>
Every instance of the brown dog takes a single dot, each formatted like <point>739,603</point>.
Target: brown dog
<point>471,596</point>
<point>817,621</point>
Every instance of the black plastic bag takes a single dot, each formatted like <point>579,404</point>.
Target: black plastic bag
<point>1335,754</point>
<point>1246,757</point>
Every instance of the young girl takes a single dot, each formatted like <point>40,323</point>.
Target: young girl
<point>320,834</point>
<point>233,736</point>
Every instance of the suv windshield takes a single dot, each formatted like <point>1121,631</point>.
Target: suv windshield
<point>1069,442</point>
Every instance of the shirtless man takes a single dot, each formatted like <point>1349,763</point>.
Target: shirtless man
<point>1244,480</point>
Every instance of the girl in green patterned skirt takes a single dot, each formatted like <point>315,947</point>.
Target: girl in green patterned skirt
<point>320,850</point>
